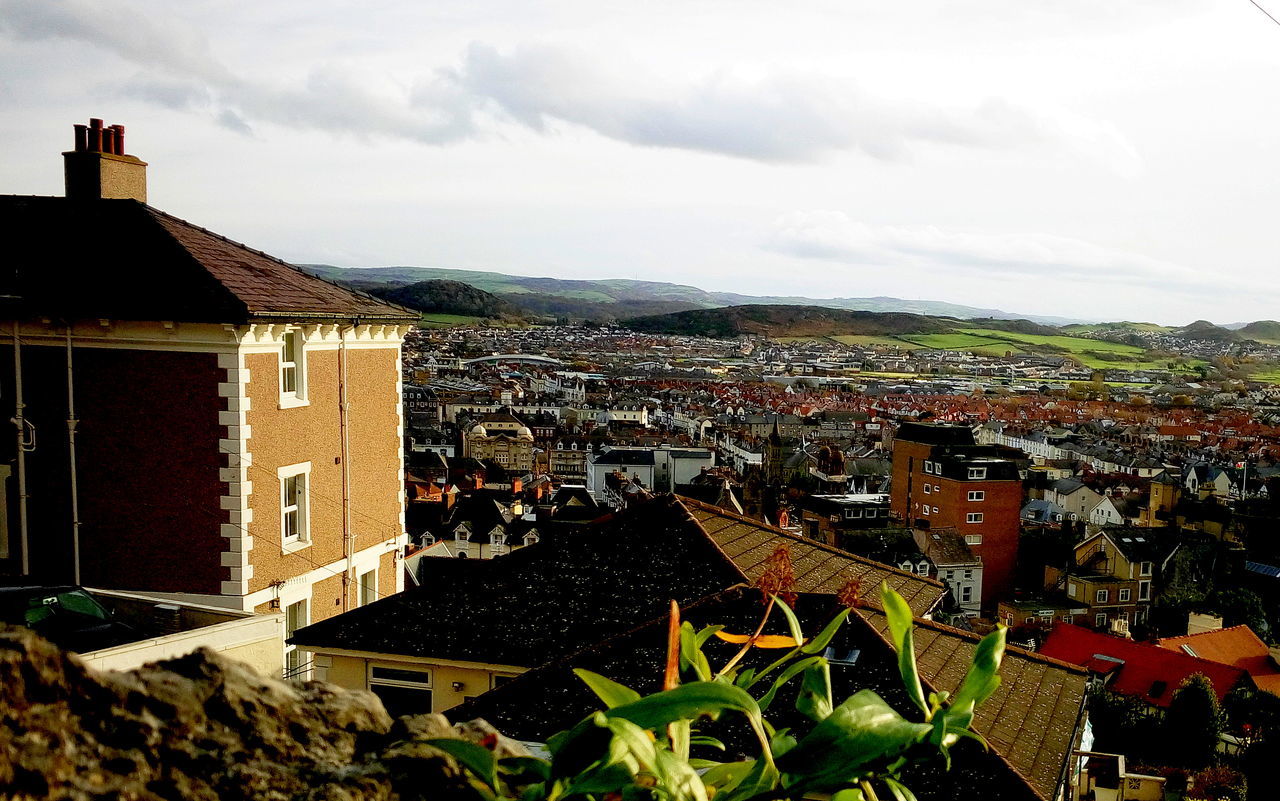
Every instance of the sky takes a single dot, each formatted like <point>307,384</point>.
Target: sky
<point>1086,159</point>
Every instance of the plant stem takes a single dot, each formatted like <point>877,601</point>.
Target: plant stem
<point>746,646</point>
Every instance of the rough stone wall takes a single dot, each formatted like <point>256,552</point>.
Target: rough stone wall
<point>203,727</point>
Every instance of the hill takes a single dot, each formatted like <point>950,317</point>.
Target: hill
<point>446,297</point>
<point>1203,329</point>
<point>1267,331</point>
<point>619,298</point>
<point>789,321</point>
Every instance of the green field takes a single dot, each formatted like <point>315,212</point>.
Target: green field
<point>873,339</point>
<point>449,320</point>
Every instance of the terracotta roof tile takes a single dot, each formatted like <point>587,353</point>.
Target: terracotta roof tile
<point>1031,719</point>
<point>819,568</point>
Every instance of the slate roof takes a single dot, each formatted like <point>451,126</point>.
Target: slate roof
<point>818,568</point>
<point>1032,719</point>
<point>1147,672</point>
<point>935,434</point>
<point>124,260</point>
<point>625,456</point>
<point>551,698</point>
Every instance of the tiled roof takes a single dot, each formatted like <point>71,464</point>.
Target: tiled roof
<point>1149,672</point>
<point>121,259</point>
<point>1237,646</point>
<point>818,568</point>
<point>1032,718</point>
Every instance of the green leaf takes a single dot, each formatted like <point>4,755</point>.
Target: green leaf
<point>793,622</point>
<point>611,692</point>
<point>900,620</point>
<point>524,769</point>
<point>475,758</point>
<point>635,739</point>
<point>691,656</point>
<point>793,670</point>
<point>814,700</point>
<point>707,633</point>
<point>746,678</point>
<point>708,742</point>
<point>819,644</point>
<point>726,776</point>
<point>762,778</point>
<point>678,778</point>
<point>687,702</point>
<point>848,794</point>
<point>981,680</point>
<point>840,749</point>
<point>898,789</point>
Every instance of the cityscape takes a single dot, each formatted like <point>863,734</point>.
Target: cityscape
<point>279,520</point>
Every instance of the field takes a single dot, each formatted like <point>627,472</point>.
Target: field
<point>873,339</point>
<point>451,320</point>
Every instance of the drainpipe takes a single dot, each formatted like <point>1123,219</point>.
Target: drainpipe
<point>20,422</point>
<point>348,544</point>
<point>71,460</point>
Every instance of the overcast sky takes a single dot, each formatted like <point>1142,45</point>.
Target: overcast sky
<point>1081,158</point>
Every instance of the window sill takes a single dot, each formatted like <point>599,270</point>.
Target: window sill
<point>295,545</point>
<point>293,402</point>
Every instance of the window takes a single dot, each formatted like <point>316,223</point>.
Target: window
<point>1144,591</point>
<point>1068,618</point>
<point>973,517</point>
<point>977,472</point>
<point>905,567</point>
<point>295,530</point>
<point>928,467</point>
<point>1101,596</point>
<point>1144,568</point>
<point>368,587</point>
<point>928,490</point>
<point>977,495</point>
<point>293,371</point>
<point>926,509</point>
<point>1125,595</point>
<point>853,513</point>
<point>937,490</point>
<point>968,574</point>
<point>1031,621</point>
<point>1100,619</point>
<point>296,616</point>
<point>1071,589</point>
<point>935,510</point>
<point>923,568</point>
<point>404,690</point>
<point>530,539</point>
<point>972,539</point>
<point>966,593</point>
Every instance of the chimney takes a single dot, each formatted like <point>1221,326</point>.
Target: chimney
<point>99,168</point>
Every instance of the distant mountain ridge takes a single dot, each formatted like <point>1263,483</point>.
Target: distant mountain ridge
<point>622,298</point>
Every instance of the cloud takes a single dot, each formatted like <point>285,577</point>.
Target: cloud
<point>778,116</point>
<point>833,236</point>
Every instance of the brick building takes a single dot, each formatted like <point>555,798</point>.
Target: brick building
<point>943,479</point>
<point>198,420</point>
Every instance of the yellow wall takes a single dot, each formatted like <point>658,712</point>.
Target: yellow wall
<point>352,672</point>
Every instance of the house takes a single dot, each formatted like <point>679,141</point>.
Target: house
<point>1237,646</point>
<point>955,564</point>
<point>542,602</point>
<point>236,423</point>
<point>943,479</point>
<point>1113,576</point>
<point>1137,669</point>
<point>827,518</point>
<point>658,468</point>
<point>1032,722</point>
<point>502,438</point>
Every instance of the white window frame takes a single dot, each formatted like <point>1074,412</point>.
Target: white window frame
<point>926,510</point>
<point>977,495</point>
<point>302,507</point>
<point>977,472</point>
<point>1068,618</point>
<point>360,582</point>
<point>292,399</point>
<point>972,539</point>
<point>973,517</point>
<point>293,658</point>
<point>1125,595</point>
<point>1071,589</point>
<point>928,467</point>
<point>1100,619</point>
<point>1145,568</point>
<point>966,593</point>
<point>1102,596</point>
<point>928,490</point>
<point>1144,590</point>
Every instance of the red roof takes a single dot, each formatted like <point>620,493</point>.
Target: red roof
<point>1148,672</point>
<point>1237,646</point>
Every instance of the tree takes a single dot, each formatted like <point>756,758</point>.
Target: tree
<point>1193,723</point>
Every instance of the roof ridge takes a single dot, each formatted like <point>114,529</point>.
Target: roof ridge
<point>1034,656</point>
<point>1178,653</point>
<point>814,543</point>
<point>221,237</point>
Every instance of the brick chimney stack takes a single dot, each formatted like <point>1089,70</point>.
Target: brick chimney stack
<point>99,167</point>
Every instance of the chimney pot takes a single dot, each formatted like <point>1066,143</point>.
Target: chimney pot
<point>119,129</point>
<point>82,138</point>
<point>95,135</point>
<point>108,140</point>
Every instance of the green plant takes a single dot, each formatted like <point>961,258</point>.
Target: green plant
<point>638,748</point>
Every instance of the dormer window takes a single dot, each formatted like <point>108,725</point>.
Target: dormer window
<point>977,472</point>
<point>530,539</point>
<point>496,539</point>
